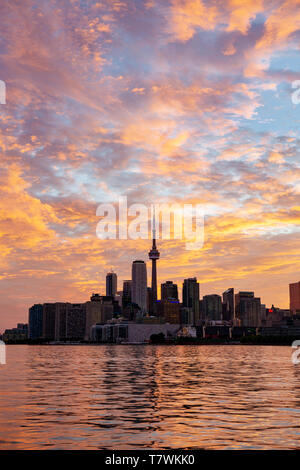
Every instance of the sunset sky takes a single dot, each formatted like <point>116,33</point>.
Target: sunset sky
<point>184,101</point>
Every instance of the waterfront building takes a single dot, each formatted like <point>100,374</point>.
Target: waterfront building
<point>186,315</point>
<point>169,310</point>
<point>60,321</point>
<point>295,298</point>
<point>139,285</point>
<point>99,309</point>
<point>35,321</point>
<point>212,307</point>
<point>75,321</point>
<point>111,284</point>
<point>190,297</point>
<point>228,301</point>
<point>20,333</point>
<point>277,317</point>
<point>49,311</point>
<point>132,332</point>
<point>247,309</point>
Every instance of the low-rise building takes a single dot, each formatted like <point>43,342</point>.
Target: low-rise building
<point>20,333</point>
<point>131,332</point>
<point>277,317</point>
<point>100,310</point>
<point>168,309</point>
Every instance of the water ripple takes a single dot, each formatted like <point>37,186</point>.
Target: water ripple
<point>163,397</point>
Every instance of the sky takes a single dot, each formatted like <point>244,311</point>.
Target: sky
<point>168,101</point>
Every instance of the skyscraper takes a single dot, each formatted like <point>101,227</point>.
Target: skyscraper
<point>35,321</point>
<point>212,307</point>
<point>61,321</point>
<point>154,255</point>
<point>150,307</point>
<point>295,298</point>
<point>247,309</point>
<point>228,300</point>
<point>111,284</point>
<point>139,284</point>
<point>75,321</point>
<point>169,291</point>
<point>190,296</point>
<point>126,298</point>
<point>49,310</point>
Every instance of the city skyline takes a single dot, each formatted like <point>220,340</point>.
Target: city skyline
<point>189,296</point>
<point>213,306</point>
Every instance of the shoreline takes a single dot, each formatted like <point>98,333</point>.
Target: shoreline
<point>288,342</point>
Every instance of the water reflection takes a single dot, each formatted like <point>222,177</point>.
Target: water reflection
<point>131,397</point>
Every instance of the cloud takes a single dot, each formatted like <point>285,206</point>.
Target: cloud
<point>276,157</point>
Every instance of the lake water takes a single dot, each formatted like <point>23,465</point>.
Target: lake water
<point>143,397</point>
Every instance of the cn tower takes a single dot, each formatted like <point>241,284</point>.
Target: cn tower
<point>154,255</point>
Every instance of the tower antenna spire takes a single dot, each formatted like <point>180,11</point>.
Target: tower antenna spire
<point>153,223</point>
<point>153,256</point>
